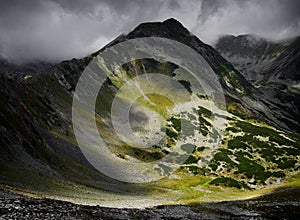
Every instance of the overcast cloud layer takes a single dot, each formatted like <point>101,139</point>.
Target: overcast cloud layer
<point>52,30</point>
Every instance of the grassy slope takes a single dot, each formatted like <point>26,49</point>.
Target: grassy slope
<point>254,157</point>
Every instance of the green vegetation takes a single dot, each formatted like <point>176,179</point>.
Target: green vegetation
<point>145,155</point>
<point>251,169</point>
<point>194,169</point>
<point>235,107</point>
<point>203,127</point>
<point>171,133</point>
<point>227,181</point>
<point>176,123</point>
<point>233,78</point>
<point>237,144</point>
<point>148,65</point>
<point>191,159</point>
<point>245,154</point>
<point>204,112</point>
<point>287,164</point>
<point>233,129</point>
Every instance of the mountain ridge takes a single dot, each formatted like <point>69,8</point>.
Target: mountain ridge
<point>173,29</point>
<point>272,67</point>
<point>39,152</point>
<point>248,53</point>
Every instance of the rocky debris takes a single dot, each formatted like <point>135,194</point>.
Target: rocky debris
<point>281,204</point>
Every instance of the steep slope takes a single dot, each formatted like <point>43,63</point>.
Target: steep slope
<point>281,83</point>
<point>249,54</point>
<point>285,68</point>
<point>12,68</point>
<point>272,68</point>
<point>230,78</point>
<point>172,29</point>
<point>39,152</point>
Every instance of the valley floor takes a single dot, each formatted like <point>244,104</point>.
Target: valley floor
<point>281,204</point>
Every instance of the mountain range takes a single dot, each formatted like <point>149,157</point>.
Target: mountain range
<point>271,67</point>
<point>259,146</point>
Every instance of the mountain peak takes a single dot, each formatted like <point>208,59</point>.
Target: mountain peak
<point>172,29</point>
<point>172,21</point>
<point>166,28</point>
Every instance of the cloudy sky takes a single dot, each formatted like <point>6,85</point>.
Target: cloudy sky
<point>54,30</point>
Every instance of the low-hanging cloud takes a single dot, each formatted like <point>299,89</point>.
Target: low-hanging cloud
<point>53,30</point>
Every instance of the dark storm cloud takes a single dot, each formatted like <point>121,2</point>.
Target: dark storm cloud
<point>61,29</point>
<point>274,19</point>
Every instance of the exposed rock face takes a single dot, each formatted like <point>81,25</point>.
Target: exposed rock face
<point>286,67</point>
<point>259,59</point>
<point>249,54</point>
<point>272,67</point>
